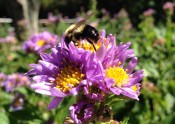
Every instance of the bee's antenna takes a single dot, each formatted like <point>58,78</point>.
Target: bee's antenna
<point>94,47</point>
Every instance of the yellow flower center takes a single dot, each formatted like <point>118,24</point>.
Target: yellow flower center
<point>40,43</point>
<point>87,46</point>
<point>68,78</point>
<point>118,74</point>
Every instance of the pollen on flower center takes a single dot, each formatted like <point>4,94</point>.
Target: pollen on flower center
<point>87,46</point>
<point>118,74</point>
<point>40,43</point>
<point>68,78</point>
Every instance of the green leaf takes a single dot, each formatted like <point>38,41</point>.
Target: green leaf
<point>5,98</point>
<point>169,102</point>
<point>4,118</point>
<point>22,90</point>
<point>125,121</point>
<point>169,119</point>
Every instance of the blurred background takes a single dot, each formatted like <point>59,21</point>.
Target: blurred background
<point>30,27</point>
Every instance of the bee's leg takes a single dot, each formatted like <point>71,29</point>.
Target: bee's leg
<point>92,44</point>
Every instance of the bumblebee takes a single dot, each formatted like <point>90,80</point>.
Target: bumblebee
<point>80,31</point>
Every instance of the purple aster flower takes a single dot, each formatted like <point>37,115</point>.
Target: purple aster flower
<point>15,80</point>
<point>63,72</point>
<point>82,112</point>
<point>18,102</point>
<point>120,78</point>
<point>40,42</point>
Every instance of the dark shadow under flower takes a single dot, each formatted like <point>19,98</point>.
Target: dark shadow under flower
<point>82,112</point>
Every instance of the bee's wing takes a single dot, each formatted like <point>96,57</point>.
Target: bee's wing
<point>82,21</point>
<point>79,24</point>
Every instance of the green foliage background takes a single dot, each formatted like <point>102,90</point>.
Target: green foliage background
<point>154,44</point>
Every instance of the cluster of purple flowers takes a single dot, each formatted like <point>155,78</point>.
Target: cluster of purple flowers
<point>94,77</point>
<point>169,6</point>
<point>10,82</point>
<point>41,42</point>
<point>9,38</point>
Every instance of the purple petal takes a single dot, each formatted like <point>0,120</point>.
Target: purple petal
<point>63,42</point>
<point>116,90</point>
<point>103,33</point>
<point>98,78</point>
<point>84,56</point>
<point>135,74</point>
<point>40,78</point>
<point>124,46</point>
<point>48,68</point>
<point>36,66</point>
<point>135,80</point>
<point>91,62</point>
<point>131,65</point>
<point>45,57</point>
<point>57,93</point>
<point>74,91</point>
<point>44,92</point>
<point>40,86</point>
<point>109,82</point>
<point>30,72</point>
<point>129,93</point>
<point>48,65</point>
<point>130,53</point>
<point>89,74</point>
<point>101,52</point>
<point>54,103</point>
